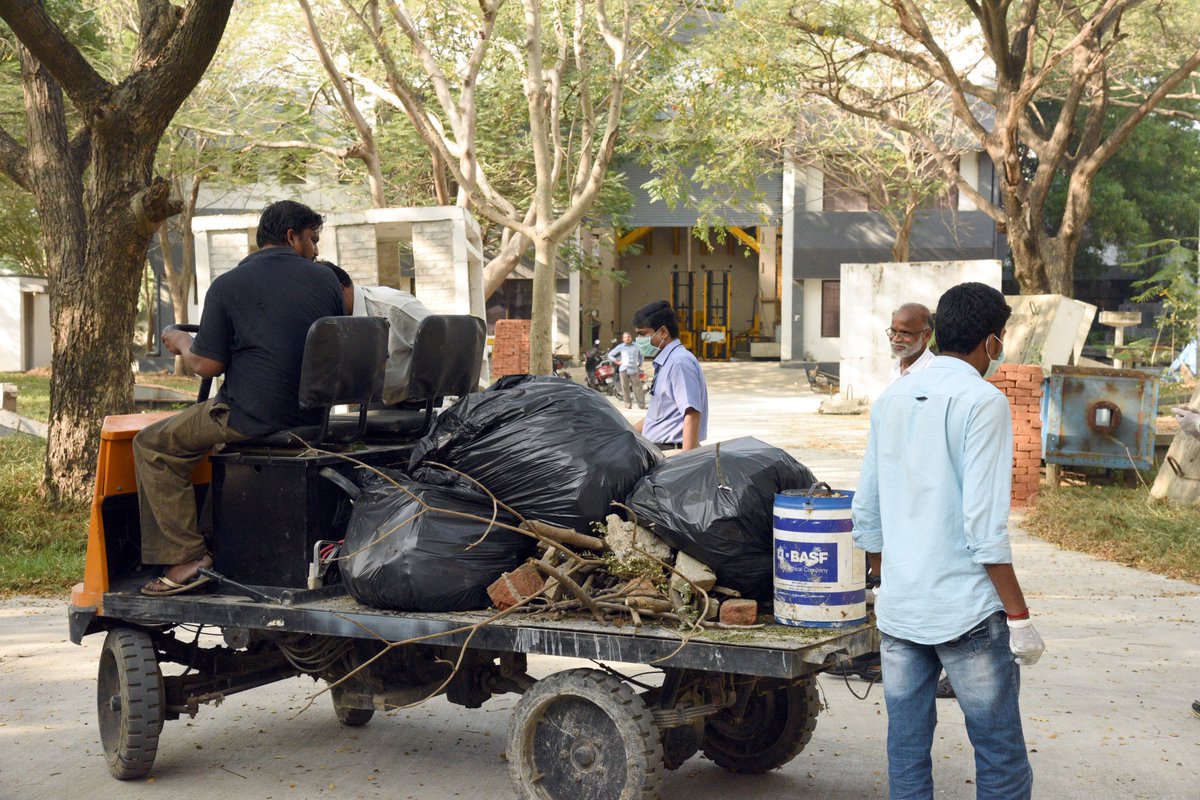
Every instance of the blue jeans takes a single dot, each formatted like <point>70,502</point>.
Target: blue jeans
<point>986,681</point>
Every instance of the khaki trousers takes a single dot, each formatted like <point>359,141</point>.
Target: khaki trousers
<point>164,456</point>
<point>631,386</point>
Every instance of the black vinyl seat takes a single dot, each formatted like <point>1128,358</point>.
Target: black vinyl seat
<point>344,360</point>
<point>446,360</point>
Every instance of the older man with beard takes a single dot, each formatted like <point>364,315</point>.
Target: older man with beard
<point>912,328</point>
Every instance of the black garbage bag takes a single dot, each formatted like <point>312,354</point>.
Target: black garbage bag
<point>399,560</point>
<point>551,449</point>
<point>715,504</point>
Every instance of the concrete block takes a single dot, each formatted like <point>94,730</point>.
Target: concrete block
<point>625,539</point>
<point>695,571</point>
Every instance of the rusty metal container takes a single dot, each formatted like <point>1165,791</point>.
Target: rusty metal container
<point>1100,417</point>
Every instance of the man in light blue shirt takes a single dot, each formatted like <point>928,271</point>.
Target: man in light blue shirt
<point>932,510</point>
<point>678,415</point>
<point>630,359</point>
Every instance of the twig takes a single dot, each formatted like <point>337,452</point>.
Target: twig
<point>571,586</point>
<point>566,535</point>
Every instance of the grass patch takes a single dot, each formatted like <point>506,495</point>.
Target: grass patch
<point>43,546</point>
<point>33,393</point>
<point>1120,525</point>
<point>33,389</point>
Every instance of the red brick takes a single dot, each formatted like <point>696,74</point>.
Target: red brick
<point>739,612</point>
<point>513,587</point>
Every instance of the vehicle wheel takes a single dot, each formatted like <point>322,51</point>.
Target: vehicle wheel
<point>129,699</point>
<point>349,716</point>
<point>778,723</point>
<point>583,734</point>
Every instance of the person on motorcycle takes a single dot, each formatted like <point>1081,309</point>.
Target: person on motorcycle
<point>629,357</point>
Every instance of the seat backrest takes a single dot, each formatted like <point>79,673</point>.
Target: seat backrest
<point>447,356</point>
<point>344,359</point>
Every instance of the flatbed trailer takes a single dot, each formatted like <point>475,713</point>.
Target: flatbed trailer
<point>745,698</point>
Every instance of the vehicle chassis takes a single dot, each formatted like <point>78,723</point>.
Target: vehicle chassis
<point>747,699</point>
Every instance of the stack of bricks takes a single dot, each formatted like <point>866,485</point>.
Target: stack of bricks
<point>1022,385</point>
<point>510,350</point>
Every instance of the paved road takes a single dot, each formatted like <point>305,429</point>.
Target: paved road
<point>1106,710</point>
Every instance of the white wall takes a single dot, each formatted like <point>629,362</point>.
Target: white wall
<point>10,324</point>
<point>819,347</point>
<point>871,292</point>
<point>24,323</point>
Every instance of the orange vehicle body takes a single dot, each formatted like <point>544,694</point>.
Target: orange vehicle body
<point>114,476</point>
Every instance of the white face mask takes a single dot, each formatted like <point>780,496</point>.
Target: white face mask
<point>994,363</point>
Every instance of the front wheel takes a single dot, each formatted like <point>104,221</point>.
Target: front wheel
<point>129,700</point>
<point>583,733</point>
<point>775,727</point>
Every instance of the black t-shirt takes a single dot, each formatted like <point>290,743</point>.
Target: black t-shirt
<point>255,319</point>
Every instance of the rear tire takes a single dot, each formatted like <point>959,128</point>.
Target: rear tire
<point>129,700</point>
<point>583,734</point>
<point>778,723</point>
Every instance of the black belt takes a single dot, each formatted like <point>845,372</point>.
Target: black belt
<point>668,445</point>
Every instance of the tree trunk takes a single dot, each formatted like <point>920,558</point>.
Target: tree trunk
<point>58,189</point>
<point>95,312</point>
<point>541,346</point>
<point>148,296</point>
<point>178,283</point>
<point>900,245</point>
<point>96,234</point>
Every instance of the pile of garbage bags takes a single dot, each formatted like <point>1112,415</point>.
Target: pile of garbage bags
<point>557,452</point>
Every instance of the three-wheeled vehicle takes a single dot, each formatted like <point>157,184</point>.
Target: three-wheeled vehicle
<point>748,702</point>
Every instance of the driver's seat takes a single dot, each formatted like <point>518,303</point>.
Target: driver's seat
<point>344,360</point>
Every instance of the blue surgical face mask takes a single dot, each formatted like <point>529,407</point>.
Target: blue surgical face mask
<point>994,363</point>
<point>643,344</point>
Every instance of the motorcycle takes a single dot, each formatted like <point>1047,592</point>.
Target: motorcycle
<point>606,376</point>
<point>560,368</point>
<point>594,357</point>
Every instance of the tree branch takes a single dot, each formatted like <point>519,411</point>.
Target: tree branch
<point>158,90</point>
<point>369,155</point>
<point>49,45</point>
<point>14,160</point>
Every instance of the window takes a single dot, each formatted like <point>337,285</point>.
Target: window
<point>831,309</point>
<point>841,197</point>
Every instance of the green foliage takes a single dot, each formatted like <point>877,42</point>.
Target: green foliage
<point>1146,192</point>
<point>21,250</point>
<point>1173,285</point>
<point>43,545</point>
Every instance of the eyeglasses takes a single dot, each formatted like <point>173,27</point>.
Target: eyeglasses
<point>904,336</point>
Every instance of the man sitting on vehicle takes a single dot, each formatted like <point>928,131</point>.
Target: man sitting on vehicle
<point>253,329</point>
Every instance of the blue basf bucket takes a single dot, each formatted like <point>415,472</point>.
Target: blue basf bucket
<point>820,576</point>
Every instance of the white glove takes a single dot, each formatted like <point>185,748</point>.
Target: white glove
<point>1189,420</point>
<point>1024,642</point>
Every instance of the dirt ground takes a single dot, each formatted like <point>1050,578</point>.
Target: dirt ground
<point>1106,711</point>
